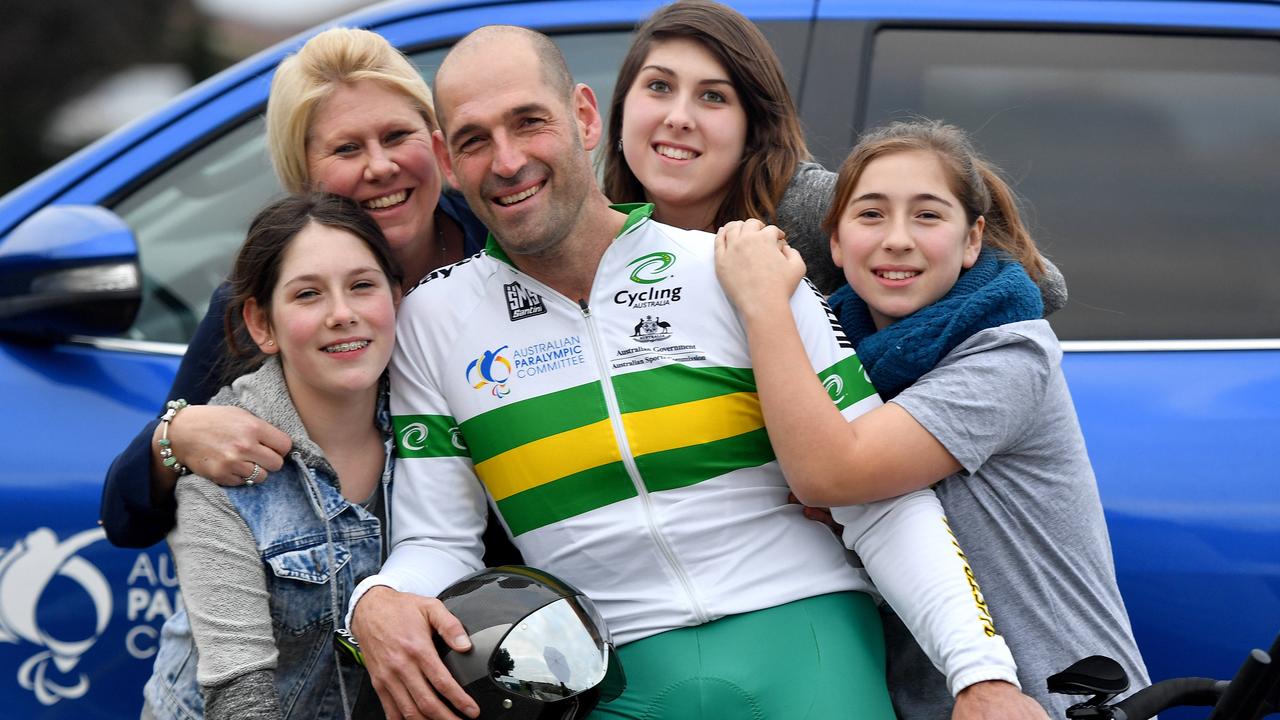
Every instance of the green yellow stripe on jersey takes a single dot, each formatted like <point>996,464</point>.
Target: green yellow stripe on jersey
<point>681,467</point>
<point>692,423</point>
<point>675,384</point>
<point>550,458</point>
<point>505,428</point>
<point>566,497</point>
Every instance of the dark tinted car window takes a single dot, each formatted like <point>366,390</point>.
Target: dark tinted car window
<point>1147,164</point>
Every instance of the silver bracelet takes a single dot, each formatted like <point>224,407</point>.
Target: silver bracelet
<point>166,446</point>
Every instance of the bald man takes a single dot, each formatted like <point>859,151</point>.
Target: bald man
<point>635,466</point>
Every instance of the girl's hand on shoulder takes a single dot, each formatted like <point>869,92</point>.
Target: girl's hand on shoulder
<point>755,265</point>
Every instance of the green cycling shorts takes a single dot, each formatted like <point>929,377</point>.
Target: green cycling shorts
<point>819,658</point>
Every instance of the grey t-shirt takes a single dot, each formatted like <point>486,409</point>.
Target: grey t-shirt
<point>1025,509</point>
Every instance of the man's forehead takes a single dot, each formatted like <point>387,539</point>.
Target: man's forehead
<point>486,92</point>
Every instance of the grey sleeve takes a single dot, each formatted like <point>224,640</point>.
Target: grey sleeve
<point>1053,288</point>
<point>979,401</point>
<point>251,696</point>
<point>800,214</point>
<point>223,585</point>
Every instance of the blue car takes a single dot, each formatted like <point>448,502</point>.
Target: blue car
<point>1144,136</point>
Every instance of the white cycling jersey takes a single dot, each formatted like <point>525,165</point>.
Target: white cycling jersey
<point>622,444</point>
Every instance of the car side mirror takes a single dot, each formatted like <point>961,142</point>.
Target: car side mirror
<point>69,270</point>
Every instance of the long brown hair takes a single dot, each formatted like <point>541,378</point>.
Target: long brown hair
<point>973,180</point>
<point>256,269</point>
<point>775,142</point>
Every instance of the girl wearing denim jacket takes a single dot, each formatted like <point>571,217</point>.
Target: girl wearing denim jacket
<point>266,568</point>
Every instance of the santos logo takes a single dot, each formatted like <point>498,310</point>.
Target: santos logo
<point>25,570</point>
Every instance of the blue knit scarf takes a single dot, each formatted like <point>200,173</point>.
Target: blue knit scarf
<point>994,292</point>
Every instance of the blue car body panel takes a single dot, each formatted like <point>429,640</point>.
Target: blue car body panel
<point>1184,448</point>
<point>1184,442</point>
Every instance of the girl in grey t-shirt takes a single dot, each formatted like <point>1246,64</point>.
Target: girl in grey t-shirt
<point>946,318</point>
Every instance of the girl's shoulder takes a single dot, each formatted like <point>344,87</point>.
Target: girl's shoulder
<point>1025,348</point>
<point>1036,332</point>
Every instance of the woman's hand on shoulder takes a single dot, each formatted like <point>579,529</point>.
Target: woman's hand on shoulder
<point>756,266</point>
<point>224,444</point>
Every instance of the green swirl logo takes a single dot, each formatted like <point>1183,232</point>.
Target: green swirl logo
<point>414,436</point>
<point>651,268</point>
<point>835,387</point>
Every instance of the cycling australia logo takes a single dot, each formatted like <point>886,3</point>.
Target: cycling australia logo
<point>522,303</point>
<point>652,268</point>
<point>491,370</point>
<point>649,270</point>
<point>26,569</point>
<point>651,329</point>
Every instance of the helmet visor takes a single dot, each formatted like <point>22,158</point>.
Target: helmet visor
<point>554,653</point>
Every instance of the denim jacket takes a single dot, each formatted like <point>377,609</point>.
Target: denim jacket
<point>303,529</point>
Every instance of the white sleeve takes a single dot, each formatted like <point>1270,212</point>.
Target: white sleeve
<point>831,354</point>
<point>437,507</point>
<point>920,569</point>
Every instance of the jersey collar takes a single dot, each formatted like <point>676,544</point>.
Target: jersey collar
<point>636,214</point>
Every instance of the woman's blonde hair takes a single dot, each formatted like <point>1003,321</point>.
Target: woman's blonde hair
<point>973,180</point>
<point>334,58</point>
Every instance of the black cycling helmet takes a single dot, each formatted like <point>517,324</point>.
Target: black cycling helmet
<point>539,649</point>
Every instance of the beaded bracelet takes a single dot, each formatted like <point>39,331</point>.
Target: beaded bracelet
<point>166,449</point>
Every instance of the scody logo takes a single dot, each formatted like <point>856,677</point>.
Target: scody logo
<point>490,369</point>
<point>651,268</point>
<point>26,569</point>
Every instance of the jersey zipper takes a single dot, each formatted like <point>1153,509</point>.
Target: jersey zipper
<point>629,462</point>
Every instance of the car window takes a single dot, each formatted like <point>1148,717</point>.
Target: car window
<point>1145,162</point>
<point>190,219</point>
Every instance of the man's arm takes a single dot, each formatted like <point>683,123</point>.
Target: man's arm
<point>919,568</point>
<point>437,514</point>
<point>995,700</point>
<point>908,549</point>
